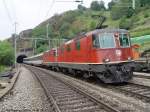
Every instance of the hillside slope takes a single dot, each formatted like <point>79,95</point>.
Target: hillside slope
<point>70,23</point>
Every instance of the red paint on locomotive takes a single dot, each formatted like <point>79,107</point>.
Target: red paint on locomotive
<point>106,54</point>
<point>83,50</point>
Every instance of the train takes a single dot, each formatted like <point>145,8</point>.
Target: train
<point>105,54</point>
<point>142,61</point>
<point>141,53</point>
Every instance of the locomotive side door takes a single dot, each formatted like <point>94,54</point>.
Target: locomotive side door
<point>55,55</point>
<point>89,49</point>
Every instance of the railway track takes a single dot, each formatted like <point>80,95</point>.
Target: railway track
<point>142,75</point>
<point>66,97</point>
<point>136,90</point>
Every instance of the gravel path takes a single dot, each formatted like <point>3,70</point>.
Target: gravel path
<point>27,96</point>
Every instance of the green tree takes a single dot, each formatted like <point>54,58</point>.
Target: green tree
<point>81,7</point>
<point>102,5</point>
<point>98,6</point>
<point>42,48</point>
<point>39,31</point>
<point>129,13</point>
<point>121,9</point>
<point>111,4</point>
<point>95,6</point>
<point>64,29</point>
<point>144,3</point>
<point>6,53</point>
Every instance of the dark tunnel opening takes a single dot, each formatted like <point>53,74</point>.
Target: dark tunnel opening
<point>20,58</point>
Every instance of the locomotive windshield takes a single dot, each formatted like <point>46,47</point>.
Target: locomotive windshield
<point>124,40</point>
<point>104,40</point>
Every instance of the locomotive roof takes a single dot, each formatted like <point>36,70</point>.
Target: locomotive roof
<point>110,30</point>
<point>83,34</point>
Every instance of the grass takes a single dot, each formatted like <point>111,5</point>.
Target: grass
<point>3,68</point>
<point>140,32</point>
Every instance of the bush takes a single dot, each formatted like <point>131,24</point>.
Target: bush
<point>135,18</point>
<point>2,68</point>
<point>6,53</point>
<point>117,12</point>
<point>125,23</point>
<point>42,48</point>
<point>146,15</point>
<point>93,25</point>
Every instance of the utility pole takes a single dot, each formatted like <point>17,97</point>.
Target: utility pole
<point>47,34</point>
<point>15,42</point>
<point>47,30</point>
<point>21,36</point>
<point>78,1</point>
<point>133,4</point>
<point>35,44</point>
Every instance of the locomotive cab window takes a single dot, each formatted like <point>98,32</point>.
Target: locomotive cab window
<point>77,45</point>
<point>95,41</point>
<point>107,40</point>
<point>103,40</point>
<point>124,40</point>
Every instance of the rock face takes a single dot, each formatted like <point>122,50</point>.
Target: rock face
<point>26,33</point>
<point>24,45</point>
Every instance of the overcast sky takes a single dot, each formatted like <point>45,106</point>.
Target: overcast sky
<point>29,13</point>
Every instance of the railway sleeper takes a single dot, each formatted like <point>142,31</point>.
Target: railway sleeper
<point>140,90</point>
<point>73,101</point>
<point>69,99</point>
<point>79,105</point>
<point>81,108</point>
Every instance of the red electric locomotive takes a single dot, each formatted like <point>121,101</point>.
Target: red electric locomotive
<point>103,53</point>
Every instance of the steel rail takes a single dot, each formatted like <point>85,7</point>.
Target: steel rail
<point>50,97</point>
<point>141,76</point>
<point>134,93</point>
<point>81,91</point>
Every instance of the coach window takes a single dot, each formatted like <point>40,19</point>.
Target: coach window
<point>68,48</point>
<point>77,45</point>
<point>55,53</point>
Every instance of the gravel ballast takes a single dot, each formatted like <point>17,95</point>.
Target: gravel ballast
<point>26,96</point>
<point>125,103</point>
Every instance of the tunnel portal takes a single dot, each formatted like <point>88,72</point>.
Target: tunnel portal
<point>20,58</point>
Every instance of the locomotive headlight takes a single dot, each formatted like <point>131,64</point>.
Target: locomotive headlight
<point>129,58</point>
<point>118,52</point>
<point>106,60</point>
